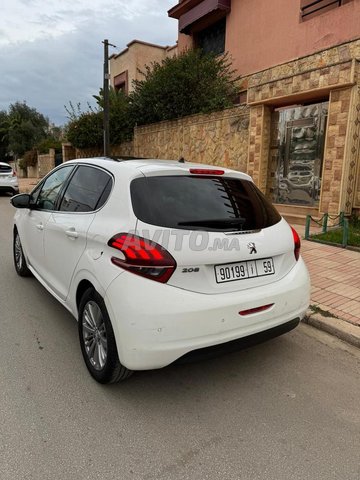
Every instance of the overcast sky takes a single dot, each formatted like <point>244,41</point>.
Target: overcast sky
<point>51,51</point>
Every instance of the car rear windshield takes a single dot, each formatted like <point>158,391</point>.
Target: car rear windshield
<point>201,203</point>
<point>5,168</point>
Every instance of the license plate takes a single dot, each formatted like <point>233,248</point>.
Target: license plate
<point>231,272</point>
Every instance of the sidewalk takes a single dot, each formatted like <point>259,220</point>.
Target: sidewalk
<point>335,280</point>
<point>335,292</point>
<point>335,288</point>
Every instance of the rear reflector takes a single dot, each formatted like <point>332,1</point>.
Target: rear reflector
<point>206,171</point>
<point>143,257</point>
<point>297,243</point>
<point>243,313</point>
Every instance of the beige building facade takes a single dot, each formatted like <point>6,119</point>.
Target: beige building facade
<point>128,65</point>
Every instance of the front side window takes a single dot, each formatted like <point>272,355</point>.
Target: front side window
<point>201,203</point>
<point>87,191</point>
<point>47,196</point>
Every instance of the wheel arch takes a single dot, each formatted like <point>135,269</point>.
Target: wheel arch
<point>81,289</point>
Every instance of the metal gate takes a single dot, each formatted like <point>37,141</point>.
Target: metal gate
<point>300,149</point>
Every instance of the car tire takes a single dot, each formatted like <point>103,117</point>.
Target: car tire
<point>97,340</point>
<point>19,258</point>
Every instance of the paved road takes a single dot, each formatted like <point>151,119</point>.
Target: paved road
<point>288,409</point>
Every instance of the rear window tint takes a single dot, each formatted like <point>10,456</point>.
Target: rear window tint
<point>201,203</point>
<point>5,168</point>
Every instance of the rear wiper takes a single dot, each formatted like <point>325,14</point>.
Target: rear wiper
<point>214,222</point>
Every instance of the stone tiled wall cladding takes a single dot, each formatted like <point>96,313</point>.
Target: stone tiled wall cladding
<point>68,152</point>
<point>333,165</point>
<point>46,163</point>
<point>327,77</point>
<point>219,138</point>
<point>353,174</point>
<point>125,149</point>
<point>259,144</point>
<point>328,68</point>
<point>350,188</point>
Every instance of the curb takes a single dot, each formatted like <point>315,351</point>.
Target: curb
<point>339,328</point>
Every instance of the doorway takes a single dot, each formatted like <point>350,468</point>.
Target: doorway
<point>296,154</point>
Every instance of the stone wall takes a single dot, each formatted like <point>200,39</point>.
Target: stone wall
<point>334,157</point>
<point>259,145</point>
<point>219,138</point>
<point>46,163</point>
<point>326,69</point>
<point>68,152</point>
<point>32,172</point>
<point>352,174</point>
<point>125,149</point>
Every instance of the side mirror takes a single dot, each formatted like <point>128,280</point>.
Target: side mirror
<point>21,201</point>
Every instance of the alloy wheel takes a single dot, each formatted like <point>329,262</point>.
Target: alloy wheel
<point>18,252</point>
<point>94,335</point>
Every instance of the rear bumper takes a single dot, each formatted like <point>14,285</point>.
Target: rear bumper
<point>156,324</point>
<point>239,344</point>
<point>13,188</point>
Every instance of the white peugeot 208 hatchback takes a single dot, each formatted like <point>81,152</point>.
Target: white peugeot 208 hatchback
<point>160,260</point>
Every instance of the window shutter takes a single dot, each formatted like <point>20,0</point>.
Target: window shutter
<point>310,8</point>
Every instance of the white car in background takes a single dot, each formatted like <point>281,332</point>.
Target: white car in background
<point>160,260</point>
<point>8,179</point>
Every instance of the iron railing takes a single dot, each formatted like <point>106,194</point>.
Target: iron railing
<point>323,223</point>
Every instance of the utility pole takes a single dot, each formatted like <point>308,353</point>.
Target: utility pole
<point>106,98</point>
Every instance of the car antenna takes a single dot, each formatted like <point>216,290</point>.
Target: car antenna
<point>181,160</point>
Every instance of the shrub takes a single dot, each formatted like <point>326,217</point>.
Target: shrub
<point>192,82</point>
<point>45,145</point>
<point>86,131</point>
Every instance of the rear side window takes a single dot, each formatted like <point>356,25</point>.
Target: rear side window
<point>87,191</point>
<point>5,168</point>
<point>201,203</point>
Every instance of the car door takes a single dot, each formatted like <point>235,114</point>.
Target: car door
<point>65,235</point>
<point>32,222</point>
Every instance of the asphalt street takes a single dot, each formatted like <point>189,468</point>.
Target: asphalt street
<point>286,409</point>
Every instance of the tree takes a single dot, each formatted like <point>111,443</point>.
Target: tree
<point>121,126</point>
<point>85,129</point>
<point>3,134</point>
<point>23,128</point>
<point>192,82</point>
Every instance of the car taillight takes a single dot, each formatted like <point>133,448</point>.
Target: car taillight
<point>297,243</point>
<point>13,173</point>
<point>206,171</point>
<point>143,257</point>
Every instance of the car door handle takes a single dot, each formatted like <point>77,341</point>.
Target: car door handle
<point>72,233</point>
<point>40,226</point>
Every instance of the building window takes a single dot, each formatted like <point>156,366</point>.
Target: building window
<point>121,82</point>
<point>212,39</point>
<point>312,8</point>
